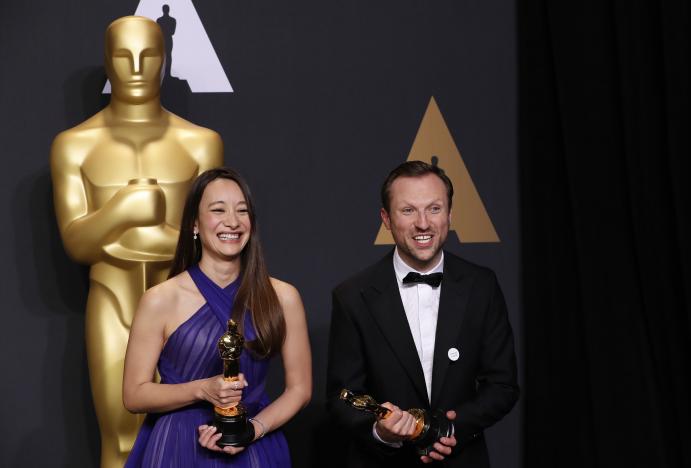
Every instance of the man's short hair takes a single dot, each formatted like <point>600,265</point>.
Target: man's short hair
<point>414,169</point>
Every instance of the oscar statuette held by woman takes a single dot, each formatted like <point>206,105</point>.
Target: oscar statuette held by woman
<point>231,422</point>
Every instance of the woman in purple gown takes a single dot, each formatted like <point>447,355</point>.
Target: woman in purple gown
<point>218,272</point>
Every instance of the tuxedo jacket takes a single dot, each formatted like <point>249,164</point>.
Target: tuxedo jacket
<point>371,351</point>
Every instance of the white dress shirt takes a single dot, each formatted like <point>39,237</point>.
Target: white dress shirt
<point>421,305</point>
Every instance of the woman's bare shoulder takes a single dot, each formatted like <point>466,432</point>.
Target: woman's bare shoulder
<point>168,294</point>
<point>288,295</point>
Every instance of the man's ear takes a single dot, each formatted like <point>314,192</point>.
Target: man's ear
<point>385,218</point>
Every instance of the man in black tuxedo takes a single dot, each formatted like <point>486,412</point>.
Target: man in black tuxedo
<point>421,328</point>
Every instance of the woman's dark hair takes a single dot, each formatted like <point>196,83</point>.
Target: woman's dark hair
<point>256,293</point>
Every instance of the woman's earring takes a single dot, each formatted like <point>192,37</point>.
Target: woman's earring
<point>195,235</point>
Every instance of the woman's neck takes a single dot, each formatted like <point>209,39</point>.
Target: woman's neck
<point>220,272</point>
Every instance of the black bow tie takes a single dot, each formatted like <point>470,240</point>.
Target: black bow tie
<point>433,279</point>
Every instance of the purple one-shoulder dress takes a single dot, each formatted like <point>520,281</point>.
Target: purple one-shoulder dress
<point>170,439</point>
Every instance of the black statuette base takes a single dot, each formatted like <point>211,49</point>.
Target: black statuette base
<point>436,426</point>
<point>237,430</point>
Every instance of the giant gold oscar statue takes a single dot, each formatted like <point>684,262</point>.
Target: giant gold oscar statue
<point>119,183</point>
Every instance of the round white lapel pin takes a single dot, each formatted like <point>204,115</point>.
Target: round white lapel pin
<point>453,354</point>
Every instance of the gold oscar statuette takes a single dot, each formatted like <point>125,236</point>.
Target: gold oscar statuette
<point>429,426</point>
<point>120,179</point>
<point>232,421</point>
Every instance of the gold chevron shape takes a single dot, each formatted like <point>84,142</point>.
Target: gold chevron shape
<point>434,144</point>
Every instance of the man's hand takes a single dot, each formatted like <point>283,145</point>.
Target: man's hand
<point>397,426</point>
<point>442,447</point>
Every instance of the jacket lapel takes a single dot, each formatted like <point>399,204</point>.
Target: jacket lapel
<point>455,292</point>
<point>384,303</point>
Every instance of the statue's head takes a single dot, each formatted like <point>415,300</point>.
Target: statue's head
<point>134,56</point>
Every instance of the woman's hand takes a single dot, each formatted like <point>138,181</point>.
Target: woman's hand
<point>222,393</point>
<point>208,438</point>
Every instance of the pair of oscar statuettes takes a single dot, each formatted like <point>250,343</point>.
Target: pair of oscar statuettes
<point>232,422</point>
<point>120,179</point>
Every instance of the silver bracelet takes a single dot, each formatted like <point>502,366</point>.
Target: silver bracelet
<point>262,426</point>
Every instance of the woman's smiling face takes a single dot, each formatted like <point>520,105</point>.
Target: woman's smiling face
<point>224,223</point>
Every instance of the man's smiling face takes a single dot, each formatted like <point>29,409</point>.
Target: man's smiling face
<point>419,218</point>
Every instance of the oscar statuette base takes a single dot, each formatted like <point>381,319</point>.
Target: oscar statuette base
<point>237,430</point>
<point>436,425</point>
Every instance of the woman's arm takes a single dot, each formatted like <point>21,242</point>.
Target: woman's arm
<point>140,393</point>
<point>297,363</point>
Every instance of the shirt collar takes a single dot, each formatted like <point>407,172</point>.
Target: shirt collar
<point>402,268</point>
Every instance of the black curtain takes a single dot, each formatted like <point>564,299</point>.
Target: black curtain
<point>604,130</point>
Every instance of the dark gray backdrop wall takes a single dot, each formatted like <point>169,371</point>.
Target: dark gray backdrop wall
<point>328,98</point>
